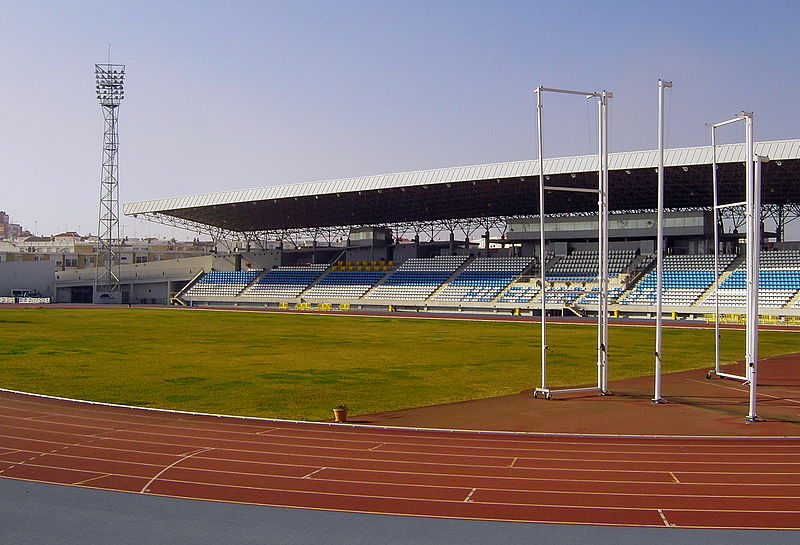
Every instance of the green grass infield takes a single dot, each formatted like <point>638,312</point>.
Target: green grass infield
<point>300,366</point>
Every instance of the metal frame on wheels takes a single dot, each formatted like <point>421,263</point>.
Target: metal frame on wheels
<point>602,234</point>
<point>752,204</point>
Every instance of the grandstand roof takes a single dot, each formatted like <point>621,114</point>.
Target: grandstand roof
<point>491,190</point>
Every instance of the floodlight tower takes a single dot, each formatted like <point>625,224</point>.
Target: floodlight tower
<point>109,80</point>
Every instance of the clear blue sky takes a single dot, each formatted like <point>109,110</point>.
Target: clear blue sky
<point>231,95</point>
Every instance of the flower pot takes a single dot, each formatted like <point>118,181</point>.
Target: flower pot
<point>340,415</point>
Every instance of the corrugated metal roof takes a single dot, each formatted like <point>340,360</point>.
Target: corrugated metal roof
<point>729,153</point>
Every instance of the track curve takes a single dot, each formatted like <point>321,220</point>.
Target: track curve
<point>687,482</point>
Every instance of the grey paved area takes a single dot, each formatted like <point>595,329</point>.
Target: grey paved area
<point>35,513</point>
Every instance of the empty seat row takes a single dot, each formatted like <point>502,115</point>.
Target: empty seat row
<point>222,283</point>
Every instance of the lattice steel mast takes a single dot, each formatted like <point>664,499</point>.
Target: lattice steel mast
<point>109,80</point>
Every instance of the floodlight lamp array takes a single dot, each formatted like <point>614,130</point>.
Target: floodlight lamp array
<point>109,81</point>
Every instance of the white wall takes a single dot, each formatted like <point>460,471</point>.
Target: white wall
<point>28,275</point>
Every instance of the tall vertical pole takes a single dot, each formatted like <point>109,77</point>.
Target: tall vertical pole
<point>109,79</point>
<point>601,248</point>
<point>660,243</point>
<point>752,415</point>
<point>604,232</point>
<point>602,218</point>
<point>714,169</point>
<point>752,251</point>
<point>753,216</point>
<point>538,92</point>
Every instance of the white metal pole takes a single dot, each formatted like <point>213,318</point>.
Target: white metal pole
<point>752,415</point>
<point>751,249</point>
<point>660,243</point>
<point>538,92</point>
<point>604,233</point>
<point>600,245</point>
<point>716,247</point>
<point>752,272</point>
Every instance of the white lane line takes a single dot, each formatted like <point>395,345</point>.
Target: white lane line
<point>674,477</point>
<point>152,435</point>
<point>552,493</point>
<point>173,464</point>
<point>314,473</point>
<point>377,446</point>
<point>514,461</point>
<point>742,450</point>
<point>477,435</point>
<point>746,389</point>
<point>465,468</point>
<point>80,483</point>
<point>523,448</point>
<point>268,430</point>
<point>664,518</point>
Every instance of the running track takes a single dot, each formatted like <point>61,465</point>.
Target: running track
<point>685,482</point>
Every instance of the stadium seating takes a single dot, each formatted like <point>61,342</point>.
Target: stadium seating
<point>778,279</point>
<point>417,278</point>
<point>340,284</point>
<point>592,297</point>
<point>582,265</point>
<point>288,281</point>
<point>483,279</point>
<point>520,294</point>
<point>222,283</point>
<point>685,279</point>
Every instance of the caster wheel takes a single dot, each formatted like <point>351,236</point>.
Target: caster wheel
<point>549,396</point>
<point>535,395</point>
<point>709,375</point>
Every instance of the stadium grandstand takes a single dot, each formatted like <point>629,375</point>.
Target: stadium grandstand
<point>466,239</point>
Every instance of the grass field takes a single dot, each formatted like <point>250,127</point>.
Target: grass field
<point>300,366</point>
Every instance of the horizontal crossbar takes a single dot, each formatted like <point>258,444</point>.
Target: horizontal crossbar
<point>575,189</point>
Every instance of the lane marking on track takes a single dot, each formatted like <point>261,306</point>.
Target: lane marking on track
<point>554,451</point>
<point>674,477</point>
<point>469,496</point>
<point>527,444</point>
<point>451,517</point>
<point>314,472</point>
<point>173,464</point>
<point>438,486</point>
<point>514,461</point>
<point>268,430</point>
<point>664,518</point>
<point>454,501</point>
<point>152,438</point>
<point>481,434</point>
<point>377,446</point>
<point>573,478</point>
<point>80,483</point>
<point>746,389</point>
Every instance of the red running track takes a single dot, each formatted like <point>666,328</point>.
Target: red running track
<point>684,482</point>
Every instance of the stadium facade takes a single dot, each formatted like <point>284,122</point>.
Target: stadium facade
<point>408,240</point>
